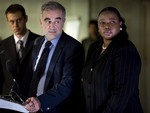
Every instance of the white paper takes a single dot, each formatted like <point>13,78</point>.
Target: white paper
<point>5,104</point>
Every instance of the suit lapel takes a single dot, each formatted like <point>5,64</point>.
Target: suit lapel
<point>109,48</point>
<point>37,46</point>
<point>101,55</point>
<point>55,57</point>
<point>28,46</point>
<point>96,54</point>
<point>11,47</point>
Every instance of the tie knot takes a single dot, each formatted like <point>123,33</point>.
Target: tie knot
<point>20,42</point>
<point>47,44</point>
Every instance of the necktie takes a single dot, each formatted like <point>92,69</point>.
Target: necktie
<point>42,61</point>
<point>39,69</point>
<point>20,51</point>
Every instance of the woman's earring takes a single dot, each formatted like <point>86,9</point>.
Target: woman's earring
<point>120,28</point>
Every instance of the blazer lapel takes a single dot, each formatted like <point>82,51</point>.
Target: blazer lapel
<point>101,55</point>
<point>11,47</point>
<point>37,46</point>
<point>28,46</point>
<point>109,48</point>
<point>96,54</point>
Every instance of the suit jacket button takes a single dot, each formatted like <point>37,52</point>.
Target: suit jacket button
<point>91,69</point>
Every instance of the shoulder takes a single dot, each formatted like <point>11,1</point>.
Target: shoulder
<point>70,45</point>
<point>125,48</point>
<point>33,35</point>
<point>124,44</point>
<point>7,40</point>
<point>94,48</point>
<point>69,39</point>
<point>39,40</point>
<point>96,45</point>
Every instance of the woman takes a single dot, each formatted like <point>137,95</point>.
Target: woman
<point>112,69</point>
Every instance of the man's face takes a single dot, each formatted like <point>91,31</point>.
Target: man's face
<point>17,23</point>
<point>52,22</point>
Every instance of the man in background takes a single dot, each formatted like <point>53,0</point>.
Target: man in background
<point>92,36</point>
<point>15,55</point>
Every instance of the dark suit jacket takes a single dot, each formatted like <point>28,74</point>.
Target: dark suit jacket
<point>62,86</point>
<point>110,79</point>
<point>87,42</point>
<point>24,68</point>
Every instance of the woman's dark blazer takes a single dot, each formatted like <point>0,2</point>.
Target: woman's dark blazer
<point>110,79</point>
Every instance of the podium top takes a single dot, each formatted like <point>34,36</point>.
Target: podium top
<point>12,105</point>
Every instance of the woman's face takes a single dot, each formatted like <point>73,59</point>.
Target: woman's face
<point>108,25</point>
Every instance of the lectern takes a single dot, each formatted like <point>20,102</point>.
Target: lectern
<point>7,102</point>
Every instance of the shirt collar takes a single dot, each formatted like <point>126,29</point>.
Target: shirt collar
<point>24,38</point>
<point>54,41</point>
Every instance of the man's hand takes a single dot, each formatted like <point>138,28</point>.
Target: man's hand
<point>32,104</point>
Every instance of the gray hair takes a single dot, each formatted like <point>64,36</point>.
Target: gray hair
<point>53,5</point>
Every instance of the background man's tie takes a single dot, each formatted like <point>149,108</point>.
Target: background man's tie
<point>20,51</point>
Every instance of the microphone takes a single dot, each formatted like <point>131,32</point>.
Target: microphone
<point>12,68</point>
<point>1,50</point>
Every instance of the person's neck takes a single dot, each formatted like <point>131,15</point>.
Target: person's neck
<point>106,43</point>
<point>22,34</point>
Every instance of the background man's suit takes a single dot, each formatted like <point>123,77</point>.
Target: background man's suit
<point>24,68</point>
